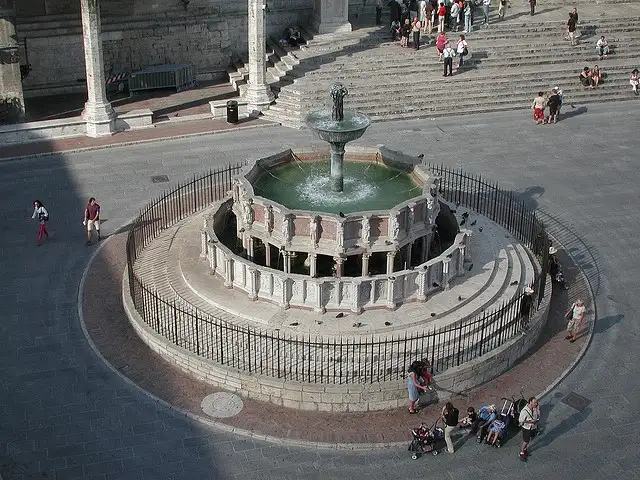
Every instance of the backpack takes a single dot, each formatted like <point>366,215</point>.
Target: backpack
<point>455,416</point>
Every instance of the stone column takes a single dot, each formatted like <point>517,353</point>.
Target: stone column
<point>445,273</point>
<point>467,250</point>
<point>258,94</point>
<point>339,264</point>
<point>250,247</point>
<point>409,252</point>
<point>203,244</point>
<point>286,262</point>
<point>461,250</point>
<point>422,284</point>
<point>267,254</point>
<point>10,76</point>
<point>253,284</point>
<point>331,16</point>
<point>313,264</point>
<point>425,248</point>
<point>228,272</point>
<point>365,264</point>
<point>319,308</point>
<point>98,113</point>
<point>390,259</point>
<point>212,256</point>
<point>391,303</point>
<point>355,292</point>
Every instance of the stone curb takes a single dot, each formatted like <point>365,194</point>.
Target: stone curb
<point>261,437</point>
<point>135,142</point>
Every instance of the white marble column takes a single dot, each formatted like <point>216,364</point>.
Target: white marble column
<point>339,264</point>
<point>250,247</point>
<point>267,254</point>
<point>390,260</point>
<point>365,264</point>
<point>331,16</point>
<point>258,94</point>
<point>98,113</point>
<point>313,264</point>
<point>10,76</point>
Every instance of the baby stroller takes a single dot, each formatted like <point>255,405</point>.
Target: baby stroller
<point>499,427</point>
<point>512,407</point>
<point>424,439</point>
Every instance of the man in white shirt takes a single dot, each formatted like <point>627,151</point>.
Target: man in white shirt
<point>486,5</point>
<point>448,54</point>
<point>602,47</point>
<point>528,420</point>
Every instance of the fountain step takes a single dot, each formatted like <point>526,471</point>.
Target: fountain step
<point>178,272</point>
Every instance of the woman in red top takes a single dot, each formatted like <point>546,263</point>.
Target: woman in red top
<point>442,14</point>
<point>441,41</point>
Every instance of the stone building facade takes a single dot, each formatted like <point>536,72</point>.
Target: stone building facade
<point>209,34</point>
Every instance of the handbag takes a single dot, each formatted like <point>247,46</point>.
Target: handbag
<point>465,51</point>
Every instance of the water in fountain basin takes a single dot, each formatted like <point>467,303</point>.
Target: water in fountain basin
<point>307,186</point>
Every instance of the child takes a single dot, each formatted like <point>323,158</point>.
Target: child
<point>471,417</point>
<point>497,429</point>
<point>406,31</point>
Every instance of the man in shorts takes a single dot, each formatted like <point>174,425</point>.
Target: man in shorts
<point>528,419</point>
<point>92,219</point>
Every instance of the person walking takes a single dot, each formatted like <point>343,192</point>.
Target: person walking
<point>448,55</point>
<point>525,309</point>
<point>461,48</point>
<point>634,81</point>
<point>450,417</point>
<point>532,5</point>
<point>554,106</point>
<point>413,385</point>
<point>528,420</point>
<point>571,29</point>
<point>538,108</point>
<point>454,16</point>
<point>502,8</point>
<point>42,215</point>
<point>442,14</point>
<point>575,315</point>
<point>486,6</point>
<point>378,12</point>
<point>416,34</point>
<point>468,27</point>
<point>92,219</point>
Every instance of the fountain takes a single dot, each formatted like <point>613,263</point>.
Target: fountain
<point>337,128</point>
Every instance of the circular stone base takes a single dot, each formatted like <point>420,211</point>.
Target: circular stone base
<point>222,405</point>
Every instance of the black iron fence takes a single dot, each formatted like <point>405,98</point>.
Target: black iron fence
<point>315,359</point>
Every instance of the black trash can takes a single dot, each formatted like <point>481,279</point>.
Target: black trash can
<point>232,111</point>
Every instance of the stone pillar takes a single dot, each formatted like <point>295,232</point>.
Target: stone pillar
<point>212,256</point>
<point>422,286</point>
<point>331,16</point>
<point>390,259</point>
<point>10,77</point>
<point>258,94</point>
<point>339,266</point>
<point>391,303</point>
<point>445,273</point>
<point>286,262</point>
<point>355,292</point>
<point>461,250</point>
<point>409,252</point>
<point>203,244</point>
<point>253,284</point>
<point>250,247</point>
<point>425,249</point>
<point>313,264</point>
<point>467,250</point>
<point>267,254</point>
<point>228,272</point>
<point>98,113</point>
<point>319,308</point>
<point>365,264</point>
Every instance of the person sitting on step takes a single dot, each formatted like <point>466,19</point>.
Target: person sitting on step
<point>634,80</point>
<point>596,75</point>
<point>602,47</point>
<point>585,78</point>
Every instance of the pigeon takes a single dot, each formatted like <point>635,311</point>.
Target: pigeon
<point>436,285</point>
<point>357,325</point>
<point>465,215</point>
<point>473,223</point>
<point>421,155</point>
<point>450,255</point>
<point>464,220</point>
<point>459,298</point>
<point>433,314</point>
<point>294,324</point>
<point>341,214</point>
<point>515,282</point>
<point>387,323</point>
<point>340,315</point>
<point>480,229</point>
<point>319,322</point>
<point>470,267</point>
<point>387,242</point>
<point>454,211</point>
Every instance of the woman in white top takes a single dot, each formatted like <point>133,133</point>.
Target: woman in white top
<point>42,215</point>
<point>462,50</point>
<point>634,80</point>
<point>575,315</point>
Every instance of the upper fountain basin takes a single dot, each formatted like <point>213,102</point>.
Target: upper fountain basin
<point>350,128</point>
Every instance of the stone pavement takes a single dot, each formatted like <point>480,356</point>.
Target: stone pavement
<point>64,414</point>
<point>110,330</point>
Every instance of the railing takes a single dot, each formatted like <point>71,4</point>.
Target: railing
<point>312,359</point>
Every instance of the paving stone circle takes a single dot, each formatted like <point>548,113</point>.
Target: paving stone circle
<point>222,405</point>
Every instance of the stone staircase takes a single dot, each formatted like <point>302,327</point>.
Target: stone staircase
<point>509,63</point>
